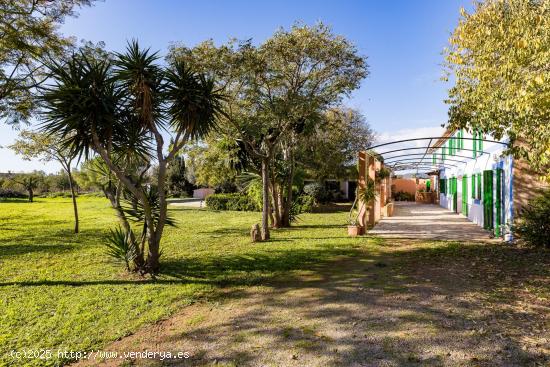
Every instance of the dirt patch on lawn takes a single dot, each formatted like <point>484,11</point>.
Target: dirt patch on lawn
<point>411,303</point>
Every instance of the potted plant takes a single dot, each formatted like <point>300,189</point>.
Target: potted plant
<point>354,229</point>
<point>364,196</point>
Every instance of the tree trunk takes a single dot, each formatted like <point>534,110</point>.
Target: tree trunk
<point>265,198</point>
<point>287,203</point>
<point>73,196</point>
<point>276,212</point>
<point>31,195</point>
<point>155,234</point>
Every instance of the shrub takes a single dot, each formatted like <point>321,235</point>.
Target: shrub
<point>93,194</point>
<point>403,196</point>
<point>254,192</point>
<point>234,201</point>
<point>58,194</point>
<point>11,194</point>
<point>305,203</point>
<point>533,224</point>
<point>317,191</point>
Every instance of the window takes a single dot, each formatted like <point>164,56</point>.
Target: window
<point>434,159</point>
<point>442,186</point>
<point>473,186</point>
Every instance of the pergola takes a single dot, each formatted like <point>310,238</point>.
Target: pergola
<point>417,160</point>
<point>404,159</point>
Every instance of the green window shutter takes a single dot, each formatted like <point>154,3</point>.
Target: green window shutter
<point>498,202</point>
<point>478,195</point>
<point>465,195</point>
<point>474,144</point>
<point>473,186</point>
<point>434,159</point>
<point>480,143</point>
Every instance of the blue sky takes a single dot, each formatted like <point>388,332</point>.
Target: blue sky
<point>403,41</point>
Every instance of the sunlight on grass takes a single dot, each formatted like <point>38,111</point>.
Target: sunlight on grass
<point>75,298</point>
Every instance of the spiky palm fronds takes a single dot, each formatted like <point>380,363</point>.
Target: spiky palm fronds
<point>194,101</point>
<point>136,211</point>
<point>121,247</point>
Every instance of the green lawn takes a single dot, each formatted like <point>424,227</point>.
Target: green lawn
<point>59,291</point>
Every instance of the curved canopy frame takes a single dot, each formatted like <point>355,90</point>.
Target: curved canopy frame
<point>432,138</point>
<point>421,154</point>
<point>421,163</point>
<point>428,147</point>
<point>387,160</point>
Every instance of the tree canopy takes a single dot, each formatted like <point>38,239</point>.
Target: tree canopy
<point>276,92</point>
<point>29,36</point>
<point>499,60</point>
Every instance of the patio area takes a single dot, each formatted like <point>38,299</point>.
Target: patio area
<point>428,221</point>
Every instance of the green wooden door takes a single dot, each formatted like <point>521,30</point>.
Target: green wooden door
<point>453,191</point>
<point>499,193</point>
<point>465,195</point>
<point>488,199</point>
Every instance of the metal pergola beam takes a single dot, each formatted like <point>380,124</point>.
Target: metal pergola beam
<point>399,150</point>
<point>412,168</point>
<point>416,161</point>
<point>434,137</point>
<point>422,160</point>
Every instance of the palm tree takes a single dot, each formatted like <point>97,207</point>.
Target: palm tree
<point>122,109</point>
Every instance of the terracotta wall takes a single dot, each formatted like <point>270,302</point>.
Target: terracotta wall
<point>404,184</point>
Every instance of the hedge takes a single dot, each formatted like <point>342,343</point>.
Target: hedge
<point>12,194</point>
<point>235,201</point>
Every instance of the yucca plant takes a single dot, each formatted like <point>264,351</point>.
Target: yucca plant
<point>123,110</point>
<point>121,246</point>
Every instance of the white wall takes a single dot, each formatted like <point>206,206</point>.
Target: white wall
<point>490,161</point>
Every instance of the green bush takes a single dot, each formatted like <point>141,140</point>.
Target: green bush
<point>403,196</point>
<point>93,194</point>
<point>55,194</point>
<point>254,192</point>
<point>11,194</point>
<point>533,224</point>
<point>305,203</point>
<point>318,192</point>
<point>235,201</point>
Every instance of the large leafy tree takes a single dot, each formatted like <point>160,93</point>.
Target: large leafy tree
<point>119,111</point>
<point>28,181</point>
<point>499,60</point>
<point>277,91</point>
<point>47,147</point>
<point>29,35</point>
<point>343,133</point>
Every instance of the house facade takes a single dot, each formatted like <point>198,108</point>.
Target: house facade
<point>476,179</point>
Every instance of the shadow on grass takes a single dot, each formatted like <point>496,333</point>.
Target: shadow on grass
<point>420,307</point>
<point>14,250</point>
